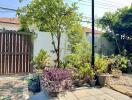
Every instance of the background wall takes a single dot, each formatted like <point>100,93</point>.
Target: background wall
<point>102,45</point>
<point>44,41</point>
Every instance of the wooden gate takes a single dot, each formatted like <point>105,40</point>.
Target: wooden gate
<point>15,52</point>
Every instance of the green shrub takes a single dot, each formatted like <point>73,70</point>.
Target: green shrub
<point>41,60</point>
<point>72,60</point>
<point>118,62</point>
<point>30,79</point>
<point>101,63</point>
<point>130,57</point>
<point>81,55</point>
<point>81,69</point>
<point>86,70</point>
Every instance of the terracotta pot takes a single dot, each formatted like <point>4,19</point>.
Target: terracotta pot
<point>103,79</point>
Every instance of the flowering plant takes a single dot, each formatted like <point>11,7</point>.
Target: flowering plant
<point>56,79</point>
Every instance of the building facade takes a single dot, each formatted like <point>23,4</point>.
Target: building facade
<point>9,24</point>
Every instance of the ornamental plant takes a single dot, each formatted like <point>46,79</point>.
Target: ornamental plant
<point>56,79</point>
<point>41,61</point>
<point>118,62</point>
<point>72,60</point>
<point>101,63</point>
<point>79,60</point>
<point>86,70</point>
<point>80,56</point>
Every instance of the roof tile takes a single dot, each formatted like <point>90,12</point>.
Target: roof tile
<point>10,20</point>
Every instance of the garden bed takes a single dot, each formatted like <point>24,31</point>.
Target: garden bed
<point>122,84</point>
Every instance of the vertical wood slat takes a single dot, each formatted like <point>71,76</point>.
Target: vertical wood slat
<point>5,55</point>
<point>8,51</point>
<point>15,53</point>
<point>22,55</point>
<point>19,55</point>
<point>29,49</point>
<point>25,49</point>
<point>12,55</point>
<point>29,56</point>
<point>1,52</point>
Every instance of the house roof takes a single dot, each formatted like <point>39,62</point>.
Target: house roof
<point>9,20</point>
<point>89,30</point>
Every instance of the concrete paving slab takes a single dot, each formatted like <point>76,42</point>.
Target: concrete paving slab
<point>39,96</point>
<point>104,97</point>
<point>88,98</point>
<point>95,91</point>
<point>107,90</point>
<point>82,93</point>
<point>119,96</point>
<point>85,94</point>
<point>67,96</point>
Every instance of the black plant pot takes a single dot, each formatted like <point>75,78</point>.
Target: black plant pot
<point>78,83</point>
<point>35,85</point>
<point>92,83</point>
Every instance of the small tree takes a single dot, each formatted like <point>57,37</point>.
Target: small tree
<point>53,16</point>
<point>118,25</point>
<point>75,36</point>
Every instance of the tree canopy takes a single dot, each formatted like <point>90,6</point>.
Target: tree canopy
<point>75,36</point>
<point>52,16</point>
<point>118,27</point>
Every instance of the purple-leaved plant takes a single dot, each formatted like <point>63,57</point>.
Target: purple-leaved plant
<point>56,79</point>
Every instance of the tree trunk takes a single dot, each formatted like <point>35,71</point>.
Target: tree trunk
<point>117,45</point>
<point>58,53</point>
<point>57,47</point>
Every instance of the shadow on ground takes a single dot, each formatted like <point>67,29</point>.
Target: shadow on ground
<point>13,88</point>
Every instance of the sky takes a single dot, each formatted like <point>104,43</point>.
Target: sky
<point>13,4</point>
<point>101,6</point>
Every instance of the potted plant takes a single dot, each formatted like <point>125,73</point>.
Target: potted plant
<point>103,78</point>
<point>88,74</point>
<point>101,64</point>
<point>55,80</point>
<point>119,63</point>
<point>92,78</point>
<point>78,80</point>
<point>41,61</point>
<point>33,83</point>
<point>83,75</point>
